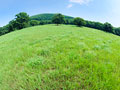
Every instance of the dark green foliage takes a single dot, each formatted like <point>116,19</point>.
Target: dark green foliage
<point>41,17</point>
<point>99,25</point>
<point>34,22</point>
<point>4,30</point>
<point>41,23</point>
<point>66,21</point>
<point>90,24</point>
<point>108,27</point>
<point>1,30</point>
<point>117,31</point>
<point>49,22</point>
<point>96,25</point>
<point>47,18</point>
<point>69,21</point>
<point>22,20</point>
<point>58,19</point>
<point>12,25</point>
<point>79,22</point>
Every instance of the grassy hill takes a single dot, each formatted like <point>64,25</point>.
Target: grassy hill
<point>46,16</point>
<point>51,57</point>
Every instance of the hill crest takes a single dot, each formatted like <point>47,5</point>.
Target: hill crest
<point>47,16</point>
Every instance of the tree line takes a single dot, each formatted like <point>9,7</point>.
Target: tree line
<point>22,20</point>
<point>107,27</point>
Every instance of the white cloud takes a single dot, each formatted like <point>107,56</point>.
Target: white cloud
<point>80,1</point>
<point>70,5</point>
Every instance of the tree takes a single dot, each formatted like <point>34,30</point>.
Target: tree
<point>117,31</point>
<point>12,25</point>
<point>1,29</point>
<point>99,25</point>
<point>90,24</point>
<point>34,22</point>
<point>42,23</point>
<point>22,20</point>
<point>108,27</point>
<point>79,22</point>
<point>66,22</point>
<point>58,19</point>
<point>4,30</point>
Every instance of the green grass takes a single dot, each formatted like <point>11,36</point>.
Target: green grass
<point>62,57</point>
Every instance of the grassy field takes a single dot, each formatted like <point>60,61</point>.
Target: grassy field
<point>62,57</point>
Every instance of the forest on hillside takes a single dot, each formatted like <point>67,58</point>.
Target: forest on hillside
<point>23,20</point>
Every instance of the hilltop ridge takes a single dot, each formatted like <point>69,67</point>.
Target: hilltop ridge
<point>46,16</point>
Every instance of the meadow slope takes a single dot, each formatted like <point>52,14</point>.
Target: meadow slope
<point>64,57</point>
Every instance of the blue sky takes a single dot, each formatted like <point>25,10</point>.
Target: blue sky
<point>95,10</point>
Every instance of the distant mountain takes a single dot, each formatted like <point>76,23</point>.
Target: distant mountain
<point>46,16</point>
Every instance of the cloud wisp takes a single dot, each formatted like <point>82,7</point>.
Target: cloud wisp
<point>80,1</point>
<point>70,5</point>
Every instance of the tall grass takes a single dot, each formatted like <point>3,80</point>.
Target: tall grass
<point>61,57</point>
